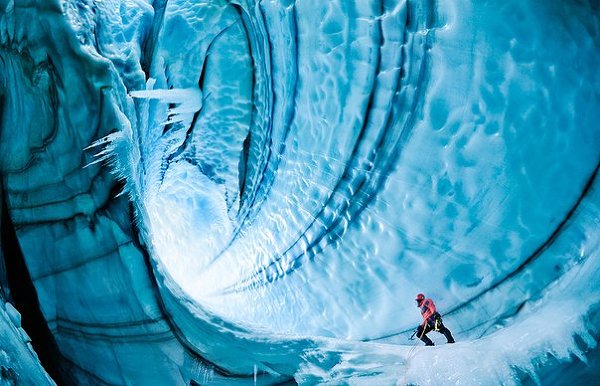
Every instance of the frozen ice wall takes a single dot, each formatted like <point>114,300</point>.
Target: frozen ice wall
<point>19,363</point>
<point>252,192</point>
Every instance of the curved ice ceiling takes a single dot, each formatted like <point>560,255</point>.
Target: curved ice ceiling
<point>293,173</point>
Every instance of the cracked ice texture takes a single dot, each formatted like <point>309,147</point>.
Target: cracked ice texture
<point>294,173</point>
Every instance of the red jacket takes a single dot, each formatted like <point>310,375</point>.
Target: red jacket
<point>427,309</point>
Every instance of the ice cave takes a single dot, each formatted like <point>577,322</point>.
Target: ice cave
<point>252,192</point>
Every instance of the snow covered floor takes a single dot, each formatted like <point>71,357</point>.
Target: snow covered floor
<point>556,327</point>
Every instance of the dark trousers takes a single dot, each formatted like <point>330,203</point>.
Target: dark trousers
<point>430,326</point>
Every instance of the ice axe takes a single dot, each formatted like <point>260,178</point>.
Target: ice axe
<point>412,337</point>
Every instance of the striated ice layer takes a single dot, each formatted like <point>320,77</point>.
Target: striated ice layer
<point>253,192</point>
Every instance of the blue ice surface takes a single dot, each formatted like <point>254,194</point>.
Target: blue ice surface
<point>293,173</point>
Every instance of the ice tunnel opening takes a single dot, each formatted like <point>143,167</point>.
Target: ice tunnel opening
<point>224,272</point>
<point>191,218</point>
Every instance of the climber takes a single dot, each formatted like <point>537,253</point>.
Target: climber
<point>432,320</point>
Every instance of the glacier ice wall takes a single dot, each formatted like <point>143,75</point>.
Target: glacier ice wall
<point>253,191</point>
<point>19,363</point>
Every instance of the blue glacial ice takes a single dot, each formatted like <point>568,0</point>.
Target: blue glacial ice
<point>253,191</point>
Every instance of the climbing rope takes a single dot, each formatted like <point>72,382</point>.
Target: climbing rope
<point>411,354</point>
